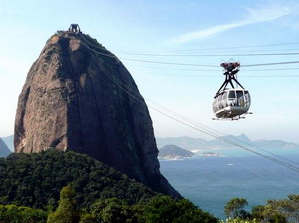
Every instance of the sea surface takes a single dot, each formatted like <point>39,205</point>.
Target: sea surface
<point>209,182</point>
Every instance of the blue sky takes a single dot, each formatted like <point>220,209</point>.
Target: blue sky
<point>172,28</point>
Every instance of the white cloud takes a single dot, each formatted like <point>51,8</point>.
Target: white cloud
<point>254,16</point>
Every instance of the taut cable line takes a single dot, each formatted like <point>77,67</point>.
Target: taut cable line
<point>191,125</point>
<point>180,64</point>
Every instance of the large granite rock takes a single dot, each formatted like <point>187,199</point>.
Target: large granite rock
<point>79,96</point>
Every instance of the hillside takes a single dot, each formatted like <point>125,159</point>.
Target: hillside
<point>72,187</point>
<point>35,180</point>
<point>174,152</point>
<point>4,150</point>
<point>183,142</point>
<point>189,143</point>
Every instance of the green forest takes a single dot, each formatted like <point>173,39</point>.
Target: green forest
<point>56,186</point>
<point>35,180</point>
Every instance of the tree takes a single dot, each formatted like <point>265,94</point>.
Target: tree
<point>162,209</point>
<point>285,210</point>
<point>36,179</point>
<point>16,214</point>
<point>87,218</point>
<point>234,208</point>
<point>257,212</point>
<point>113,210</point>
<point>67,211</point>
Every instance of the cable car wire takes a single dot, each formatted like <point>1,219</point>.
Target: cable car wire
<point>208,51</point>
<point>212,70</point>
<point>205,65</point>
<point>169,63</point>
<point>273,69</point>
<point>212,134</point>
<point>243,47</point>
<point>213,55</point>
<point>213,76</point>
<point>220,134</point>
<point>181,64</point>
<point>287,165</point>
<point>269,64</point>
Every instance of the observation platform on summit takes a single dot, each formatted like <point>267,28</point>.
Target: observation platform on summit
<point>73,29</point>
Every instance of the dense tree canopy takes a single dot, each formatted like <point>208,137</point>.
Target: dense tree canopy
<point>162,209</point>
<point>274,211</point>
<point>86,191</point>
<point>158,209</point>
<point>284,210</point>
<point>92,192</point>
<point>67,210</point>
<point>35,180</point>
<point>15,214</point>
<point>235,208</point>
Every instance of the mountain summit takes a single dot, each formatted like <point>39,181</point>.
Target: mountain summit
<point>78,96</point>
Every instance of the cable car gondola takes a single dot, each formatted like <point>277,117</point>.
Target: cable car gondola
<point>231,103</point>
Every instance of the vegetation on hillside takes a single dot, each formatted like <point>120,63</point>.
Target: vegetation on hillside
<point>35,180</point>
<point>15,214</point>
<point>74,188</point>
<point>55,186</point>
<point>158,209</point>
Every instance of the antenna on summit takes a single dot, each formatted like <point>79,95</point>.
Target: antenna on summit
<point>74,28</point>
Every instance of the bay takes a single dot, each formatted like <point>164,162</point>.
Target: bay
<point>209,182</point>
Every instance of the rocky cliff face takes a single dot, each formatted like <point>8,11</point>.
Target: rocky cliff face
<point>79,96</point>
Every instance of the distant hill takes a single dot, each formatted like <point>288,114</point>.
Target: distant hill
<point>35,180</point>
<point>189,143</point>
<point>174,152</point>
<point>276,144</point>
<point>4,150</point>
<point>183,141</point>
<point>9,142</point>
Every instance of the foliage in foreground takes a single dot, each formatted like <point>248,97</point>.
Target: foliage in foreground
<point>89,192</point>
<point>15,214</point>
<point>35,180</point>
<point>158,209</point>
<point>67,209</point>
<point>234,208</point>
<point>274,211</point>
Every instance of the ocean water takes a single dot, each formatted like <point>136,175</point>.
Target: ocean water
<point>209,182</point>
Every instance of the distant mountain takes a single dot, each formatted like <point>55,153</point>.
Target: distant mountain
<point>9,142</point>
<point>174,152</point>
<point>4,150</point>
<point>184,142</point>
<point>194,144</point>
<point>276,144</point>
<point>221,143</point>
